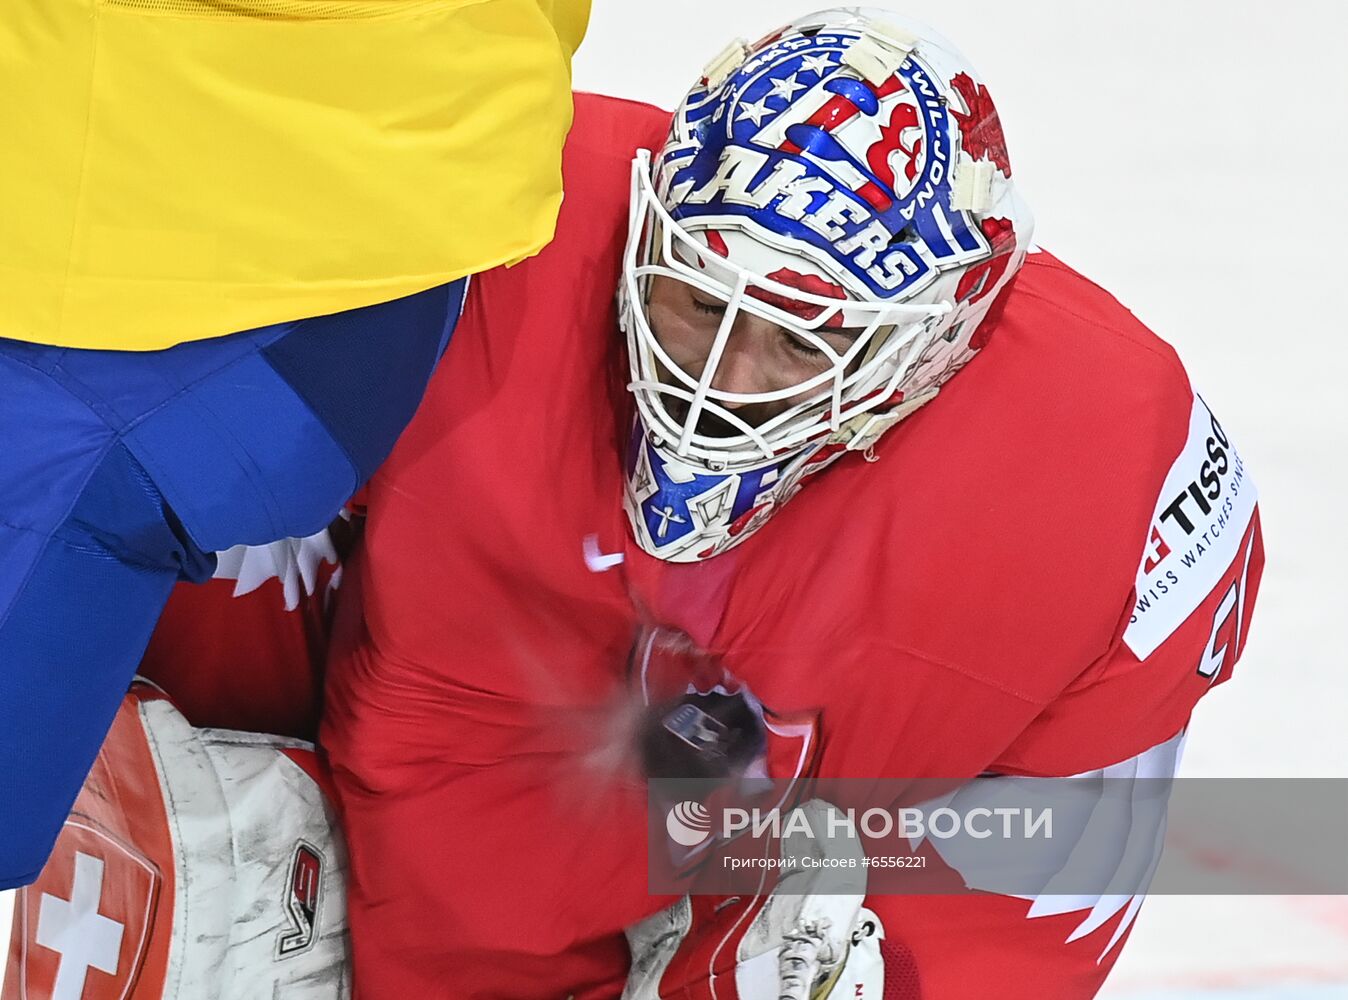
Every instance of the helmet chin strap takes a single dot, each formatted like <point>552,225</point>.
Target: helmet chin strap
<point>862,431</point>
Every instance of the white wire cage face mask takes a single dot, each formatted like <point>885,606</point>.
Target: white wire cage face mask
<point>840,188</point>
<point>860,351</point>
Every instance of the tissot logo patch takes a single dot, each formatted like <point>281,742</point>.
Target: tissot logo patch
<point>1201,515</point>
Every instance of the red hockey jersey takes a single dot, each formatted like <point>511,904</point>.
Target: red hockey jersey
<point>1040,573</point>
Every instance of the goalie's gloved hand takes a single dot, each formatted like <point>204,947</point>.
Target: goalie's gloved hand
<point>714,736</point>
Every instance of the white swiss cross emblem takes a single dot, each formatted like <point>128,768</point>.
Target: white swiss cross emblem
<point>75,930</point>
<point>86,921</point>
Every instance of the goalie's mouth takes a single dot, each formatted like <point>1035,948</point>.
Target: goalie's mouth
<point>711,424</point>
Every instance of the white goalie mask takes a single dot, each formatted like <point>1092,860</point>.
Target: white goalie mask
<point>844,180</point>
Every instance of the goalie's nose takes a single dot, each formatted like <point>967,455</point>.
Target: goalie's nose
<point>746,364</point>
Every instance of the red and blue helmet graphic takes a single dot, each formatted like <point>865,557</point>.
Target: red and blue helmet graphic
<point>798,150</point>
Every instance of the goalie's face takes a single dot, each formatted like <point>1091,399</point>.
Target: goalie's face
<point>759,357</point>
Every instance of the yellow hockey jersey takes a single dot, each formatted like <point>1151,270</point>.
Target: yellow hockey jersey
<point>180,169</point>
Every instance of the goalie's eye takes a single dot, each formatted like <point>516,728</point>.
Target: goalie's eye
<point>839,339</point>
<point>712,308</point>
<point>801,346</point>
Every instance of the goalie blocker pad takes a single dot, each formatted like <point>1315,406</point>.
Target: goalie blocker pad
<point>197,864</point>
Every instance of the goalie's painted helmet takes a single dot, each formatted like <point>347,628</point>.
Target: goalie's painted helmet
<point>845,179</point>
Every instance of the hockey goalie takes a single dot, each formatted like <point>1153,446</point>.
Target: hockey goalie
<point>848,481</point>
